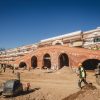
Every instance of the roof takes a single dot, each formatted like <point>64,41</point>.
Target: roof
<point>62,36</point>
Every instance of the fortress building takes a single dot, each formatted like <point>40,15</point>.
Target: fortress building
<point>56,52</point>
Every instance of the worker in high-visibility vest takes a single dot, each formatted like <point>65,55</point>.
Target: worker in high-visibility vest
<point>82,75</point>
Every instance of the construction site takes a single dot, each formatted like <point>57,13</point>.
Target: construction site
<point>50,67</point>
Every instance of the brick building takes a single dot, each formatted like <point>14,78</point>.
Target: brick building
<point>56,52</point>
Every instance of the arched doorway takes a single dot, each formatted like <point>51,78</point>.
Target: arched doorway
<point>47,61</point>
<point>63,60</point>
<point>22,65</point>
<point>58,43</point>
<point>90,64</point>
<point>34,62</point>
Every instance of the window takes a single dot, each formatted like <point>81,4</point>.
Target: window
<point>97,39</point>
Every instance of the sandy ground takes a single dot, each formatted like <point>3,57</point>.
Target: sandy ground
<point>48,85</point>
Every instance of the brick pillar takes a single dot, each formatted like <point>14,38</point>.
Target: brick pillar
<point>54,61</point>
<point>40,62</point>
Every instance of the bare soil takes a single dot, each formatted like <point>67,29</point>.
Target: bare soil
<point>53,85</point>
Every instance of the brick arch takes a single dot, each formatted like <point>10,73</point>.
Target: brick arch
<point>34,62</point>
<point>47,60</point>
<point>57,42</point>
<point>63,60</point>
<point>90,64</point>
<point>16,64</point>
<point>40,56</point>
<point>76,55</point>
<point>22,64</point>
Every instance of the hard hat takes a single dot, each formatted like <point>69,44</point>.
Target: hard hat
<point>79,64</point>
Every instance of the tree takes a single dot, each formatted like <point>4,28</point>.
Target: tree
<point>2,49</point>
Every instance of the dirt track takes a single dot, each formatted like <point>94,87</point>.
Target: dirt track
<point>48,85</point>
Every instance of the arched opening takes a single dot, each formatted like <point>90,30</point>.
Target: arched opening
<point>63,60</point>
<point>47,61</point>
<point>90,64</point>
<point>22,65</point>
<point>58,43</point>
<point>34,62</point>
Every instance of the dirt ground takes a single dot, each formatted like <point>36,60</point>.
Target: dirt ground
<point>53,85</point>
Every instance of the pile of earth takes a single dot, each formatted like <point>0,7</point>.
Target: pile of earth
<point>88,92</point>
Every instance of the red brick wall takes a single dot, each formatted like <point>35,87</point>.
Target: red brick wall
<point>75,55</point>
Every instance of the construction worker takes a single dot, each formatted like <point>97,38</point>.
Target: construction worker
<point>18,75</point>
<point>4,67</point>
<point>82,75</point>
<point>12,69</point>
<point>97,70</point>
<point>98,66</point>
<point>97,74</point>
<point>28,86</point>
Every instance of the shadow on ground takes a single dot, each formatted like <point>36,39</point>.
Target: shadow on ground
<point>24,93</point>
<point>86,91</point>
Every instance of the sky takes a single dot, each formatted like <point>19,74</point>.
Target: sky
<point>24,22</point>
